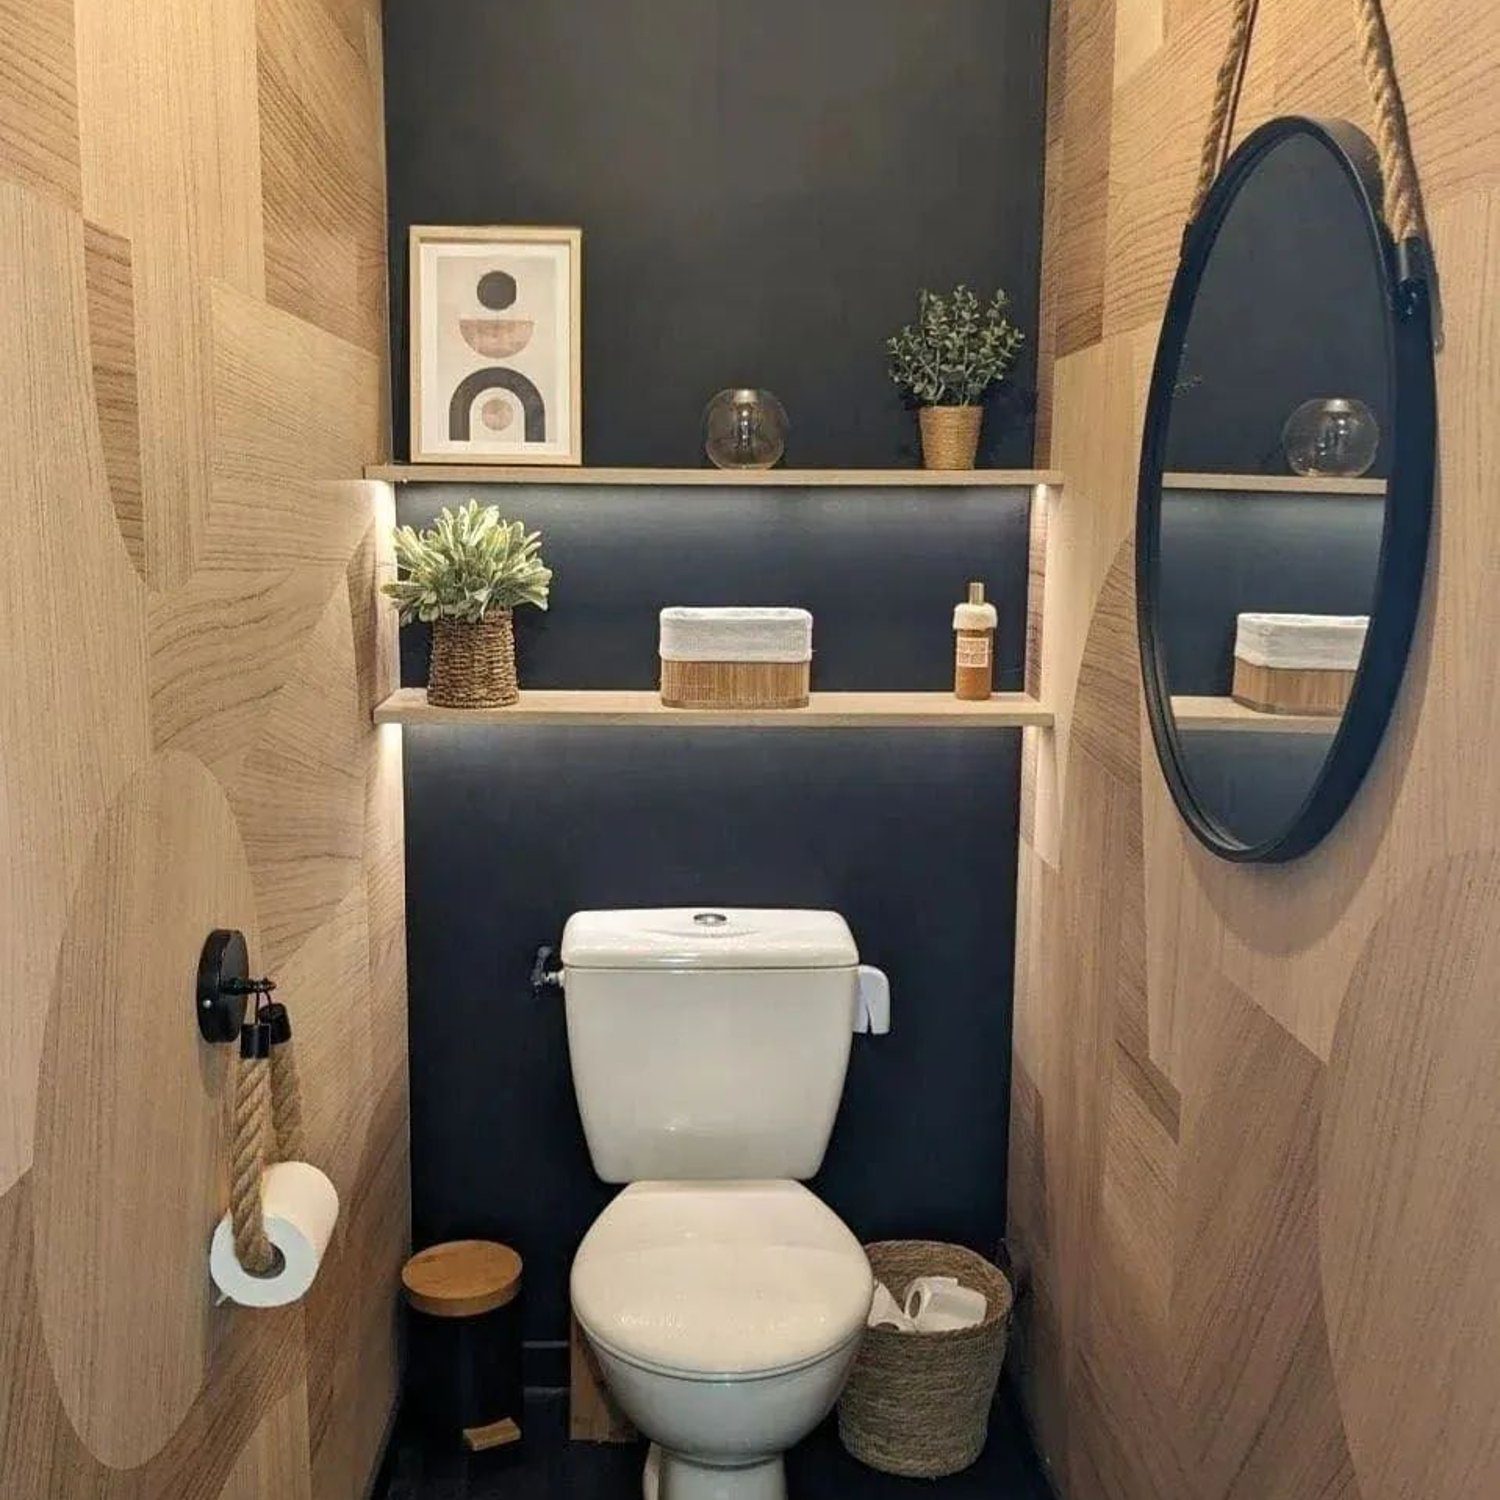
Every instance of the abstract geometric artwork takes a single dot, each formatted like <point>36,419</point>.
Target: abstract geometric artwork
<point>495,345</point>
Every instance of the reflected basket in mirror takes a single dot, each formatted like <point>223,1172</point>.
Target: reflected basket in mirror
<point>1297,664</point>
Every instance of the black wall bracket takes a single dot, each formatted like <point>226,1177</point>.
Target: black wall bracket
<point>224,985</point>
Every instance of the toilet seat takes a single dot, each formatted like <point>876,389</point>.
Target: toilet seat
<point>720,1280</point>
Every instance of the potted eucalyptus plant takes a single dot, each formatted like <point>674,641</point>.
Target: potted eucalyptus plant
<point>464,576</point>
<point>946,362</point>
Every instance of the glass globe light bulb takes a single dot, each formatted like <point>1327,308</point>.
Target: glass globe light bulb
<point>1331,436</point>
<point>744,429</point>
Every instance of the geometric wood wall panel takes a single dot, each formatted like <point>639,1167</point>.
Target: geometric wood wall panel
<point>295,410</point>
<point>39,97</point>
<point>333,1040</point>
<point>1078,146</point>
<point>1249,1352</point>
<point>274,1461</point>
<point>111,318</point>
<point>72,631</point>
<point>325,234</point>
<point>299,794</point>
<point>192,336</point>
<point>171,162</point>
<point>126,1087</point>
<point>1255,1149</point>
<point>1411,1192</point>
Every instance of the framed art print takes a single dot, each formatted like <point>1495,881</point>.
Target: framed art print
<point>496,345</point>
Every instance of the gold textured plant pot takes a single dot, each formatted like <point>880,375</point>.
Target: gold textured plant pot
<point>473,666</point>
<point>950,436</point>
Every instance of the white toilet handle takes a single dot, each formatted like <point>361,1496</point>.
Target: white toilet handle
<point>872,1007</point>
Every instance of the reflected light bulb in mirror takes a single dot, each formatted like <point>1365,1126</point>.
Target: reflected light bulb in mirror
<point>1333,435</point>
<point>744,429</point>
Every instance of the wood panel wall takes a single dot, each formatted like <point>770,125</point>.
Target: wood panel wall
<point>192,375</point>
<point>1255,1174</point>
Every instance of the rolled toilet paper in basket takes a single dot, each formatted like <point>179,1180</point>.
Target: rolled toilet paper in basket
<point>938,1304</point>
<point>301,1207</point>
<point>886,1312</point>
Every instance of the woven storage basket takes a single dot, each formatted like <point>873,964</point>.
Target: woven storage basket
<point>473,665</point>
<point>735,657</point>
<point>950,436</point>
<point>918,1404</point>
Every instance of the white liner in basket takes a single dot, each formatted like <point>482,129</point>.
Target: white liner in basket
<point>736,634</point>
<point>1325,643</point>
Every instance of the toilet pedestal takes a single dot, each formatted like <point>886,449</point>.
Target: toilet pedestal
<point>686,1480</point>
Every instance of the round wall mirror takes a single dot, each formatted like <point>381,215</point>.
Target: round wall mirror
<point>1285,491</point>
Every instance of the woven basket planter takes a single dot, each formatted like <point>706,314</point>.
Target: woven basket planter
<point>950,436</point>
<point>918,1404</point>
<point>473,666</point>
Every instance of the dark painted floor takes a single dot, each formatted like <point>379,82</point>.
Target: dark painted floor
<point>550,1468</point>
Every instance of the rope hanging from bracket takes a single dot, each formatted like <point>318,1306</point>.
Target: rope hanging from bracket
<point>267,1117</point>
<point>1404,213</point>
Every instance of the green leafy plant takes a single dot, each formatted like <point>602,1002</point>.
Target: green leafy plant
<point>466,563</point>
<point>956,350</point>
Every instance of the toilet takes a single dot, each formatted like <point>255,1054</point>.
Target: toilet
<point>724,1302</point>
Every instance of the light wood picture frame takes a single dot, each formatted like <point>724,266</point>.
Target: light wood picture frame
<point>496,342</point>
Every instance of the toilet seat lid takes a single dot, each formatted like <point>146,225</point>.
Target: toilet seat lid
<point>720,1279</point>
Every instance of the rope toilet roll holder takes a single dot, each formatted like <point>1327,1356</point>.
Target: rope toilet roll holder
<point>267,1091</point>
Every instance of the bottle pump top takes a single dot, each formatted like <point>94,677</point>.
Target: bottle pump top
<point>975,614</point>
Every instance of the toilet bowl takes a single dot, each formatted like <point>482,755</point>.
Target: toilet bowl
<point>724,1316</point>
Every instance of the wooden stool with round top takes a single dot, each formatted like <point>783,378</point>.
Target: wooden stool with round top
<point>464,1358</point>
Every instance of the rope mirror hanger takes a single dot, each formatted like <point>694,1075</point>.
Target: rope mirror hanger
<point>1405,215</point>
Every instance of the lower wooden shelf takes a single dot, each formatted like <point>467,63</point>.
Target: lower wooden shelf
<point>827,710</point>
<point>1226,713</point>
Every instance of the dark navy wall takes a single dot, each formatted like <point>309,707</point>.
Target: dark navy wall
<point>910,833</point>
<point>762,189</point>
<point>880,569</point>
<point>1224,552</point>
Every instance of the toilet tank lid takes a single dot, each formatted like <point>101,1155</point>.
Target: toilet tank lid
<point>708,937</point>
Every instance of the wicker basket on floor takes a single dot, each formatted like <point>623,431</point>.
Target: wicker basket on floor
<point>918,1404</point>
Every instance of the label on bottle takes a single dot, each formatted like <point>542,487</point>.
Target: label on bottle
<point>973,650</point>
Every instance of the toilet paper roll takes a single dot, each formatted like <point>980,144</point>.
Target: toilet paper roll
<point>301,1207</point>
<point>938,1304</point>
<point>885,1311</point>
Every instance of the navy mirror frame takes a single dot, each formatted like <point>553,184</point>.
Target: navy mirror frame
<point>1408,502</point>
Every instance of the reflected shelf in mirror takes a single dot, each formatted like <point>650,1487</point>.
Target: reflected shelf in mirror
<point>1274,484</point>
<point>1202,712</point>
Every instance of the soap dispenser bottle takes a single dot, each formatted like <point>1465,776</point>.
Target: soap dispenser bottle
<point>974,624</point>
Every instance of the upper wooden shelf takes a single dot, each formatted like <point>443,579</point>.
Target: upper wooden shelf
<point>1228,713</point>
<point>1273,484</point>
<point>720,478</point>
<point>827,710</point>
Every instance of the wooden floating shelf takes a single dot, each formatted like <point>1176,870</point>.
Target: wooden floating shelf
<point>717,478</point>
<point>1273,484</point>
<point>1225,713</point>
<point>826,711</point>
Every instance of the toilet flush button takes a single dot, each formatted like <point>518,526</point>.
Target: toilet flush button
<point>710,919</point>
